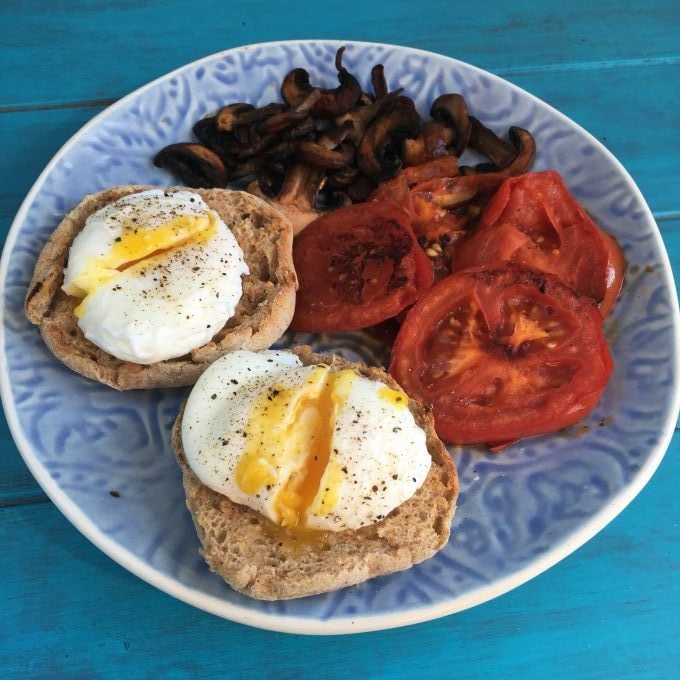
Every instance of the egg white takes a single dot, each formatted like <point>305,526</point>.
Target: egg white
<point>167,304</point>
<point>378,456</point>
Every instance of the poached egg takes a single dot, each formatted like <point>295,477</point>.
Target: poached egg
<point>306,446</point>
<point>159,274</point>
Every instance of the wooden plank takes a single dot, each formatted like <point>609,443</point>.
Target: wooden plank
<point>73,612</point>
<point>641,130</point>
<point>29,139</point>
<point>670,232</point>
<point>61,52</point>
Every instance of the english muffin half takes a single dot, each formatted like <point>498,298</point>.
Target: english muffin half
<point>262,315</point>
<point>266,561</point>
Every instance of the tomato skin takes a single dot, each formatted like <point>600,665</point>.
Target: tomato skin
<point>616,268</point>
<point>357,266</point>
<point>424,271</point>
<point>502,354</point>
<point>534,220</point>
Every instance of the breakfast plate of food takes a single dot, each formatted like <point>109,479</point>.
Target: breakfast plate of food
<point>329,337</point>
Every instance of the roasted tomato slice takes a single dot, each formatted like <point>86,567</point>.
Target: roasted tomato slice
<point>502,354</point>
<point>534,220</point>
<point>357,266</point>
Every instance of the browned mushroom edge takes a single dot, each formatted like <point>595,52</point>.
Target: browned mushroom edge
<point>196,164</point>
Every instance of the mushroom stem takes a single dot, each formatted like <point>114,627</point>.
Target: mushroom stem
<point>300,186</point>
<point>297,198</point>
<point>497,150</point>
<point>525,151</point>
<point>378,81</point>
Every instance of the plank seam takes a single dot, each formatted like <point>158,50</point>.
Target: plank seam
<point>23,500</point>
<point>604,65</point>
<point>667,60</point>
<point>80,104</point>
<point>666,215</point>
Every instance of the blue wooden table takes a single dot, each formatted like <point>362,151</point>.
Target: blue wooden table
<point>611,610</point>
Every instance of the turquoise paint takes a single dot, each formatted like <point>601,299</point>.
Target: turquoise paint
<point>108,49</point>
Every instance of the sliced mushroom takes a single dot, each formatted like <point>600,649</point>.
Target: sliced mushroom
<point>333,102</point>
<point>520,160</point>
<point>234,116</point>
<point>255,144</point>
<point>289,116</point>
<point>525,151</point>
<point>196,165</point>
<point>297,198</point>
<point>379,155</point>
<point>435,140</point>
<point>254,164</point>
<point>320,157</point>
<point>485,168</point>
<point>329,151</point>
<point>305,127</point>
<point>487,142</point>
<point>302,163</point>
<point>414,151</point>
<point>452,110</point>
<point>439,140</point>
<point>249,136</point>
<point>365,99</point>
<point>363,116</point>
<point>222,143</point>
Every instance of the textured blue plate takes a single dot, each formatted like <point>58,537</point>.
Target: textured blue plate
<point>518,513</point>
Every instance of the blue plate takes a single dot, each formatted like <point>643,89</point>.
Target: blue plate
<point>104,457</point>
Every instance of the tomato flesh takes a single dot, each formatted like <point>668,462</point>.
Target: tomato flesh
<point>356,267</point>
<point>534,220</point>
<point>502,354</point>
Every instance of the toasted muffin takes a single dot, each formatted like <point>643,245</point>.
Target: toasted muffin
<point>262,560</point>
<point>262,314</point>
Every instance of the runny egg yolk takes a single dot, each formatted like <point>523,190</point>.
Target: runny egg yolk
<point>395,397</point>
<point>292,428</point>
<point>137,244</point>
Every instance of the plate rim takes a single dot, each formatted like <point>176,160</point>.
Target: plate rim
<point>337,625</point>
